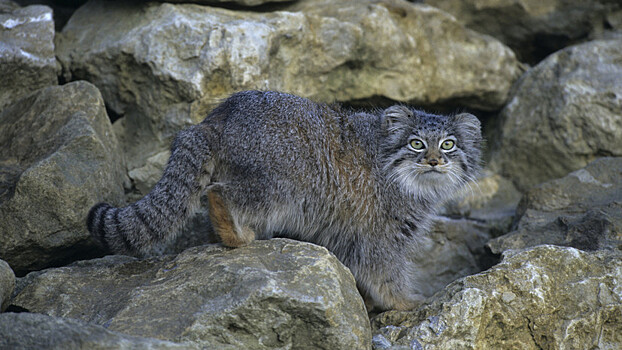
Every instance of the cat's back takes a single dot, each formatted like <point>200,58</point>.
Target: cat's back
<point>270,111</point>
<point>274,132</point>
<point>272,122</point>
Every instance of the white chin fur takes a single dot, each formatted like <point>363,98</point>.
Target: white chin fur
<point>422,181</point>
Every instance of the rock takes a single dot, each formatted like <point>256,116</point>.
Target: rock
<point>61,10</point>
<point>36,331</point>
<point>546,297</point>
<point>581,210</point>
<point>145,177</point>
<point>564,113</point>
<point>162,66</point>
<point>27,59</point>
<point>8,6</point>
<point>269,294</point>
<point>58,157</point>
<point>7,284</point>
<point>232,2</point>
<point>533,29</point>
<point>453,249</point>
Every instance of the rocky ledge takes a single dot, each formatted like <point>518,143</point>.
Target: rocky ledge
<point>528,258</point>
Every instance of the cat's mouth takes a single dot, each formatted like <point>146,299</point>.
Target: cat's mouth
<point>435,170</point>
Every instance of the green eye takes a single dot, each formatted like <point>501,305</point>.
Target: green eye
<point>448,144</point>
<point>417,144</point>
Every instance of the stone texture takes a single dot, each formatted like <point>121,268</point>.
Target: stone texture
<point>7,284</point>
<point>27,60</point>
<point>270,294</point>
<point>581,210</point>
<point>232,2</point>
<point>35,331</point>
<point>8,6</point>
<point>534,28</point>
<point>546,297</point>
<point>453,249</point>
<point>58,157</point>
<point>564,113</point>
<point>163,66</point>
<point>145,177</point>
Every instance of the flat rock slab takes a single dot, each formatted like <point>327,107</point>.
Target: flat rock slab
<point>546,297</point>
<point>27,59</point>
<point>58,157</point>
<point>581,210</point>
<point>270,294</point>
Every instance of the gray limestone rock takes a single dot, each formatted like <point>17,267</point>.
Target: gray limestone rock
<point>27,59</point>
<point>581,210</point>
<point>269,294</point>
<point>7,284</point>
<point>58,157</point>
<point>26,331</point>
<point>546,297</point>
<point>564,113</point>
<point>534,29</point>
<point>164,66</point>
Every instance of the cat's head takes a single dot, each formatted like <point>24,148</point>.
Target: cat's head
<point>430,155</point>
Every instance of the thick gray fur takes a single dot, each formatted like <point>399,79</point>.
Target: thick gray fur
<point>287,166</point>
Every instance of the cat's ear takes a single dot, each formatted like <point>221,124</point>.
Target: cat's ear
<point>396,117</point>
<point>469,123</point>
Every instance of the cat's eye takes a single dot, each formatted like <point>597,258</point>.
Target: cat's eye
<point>448,144</point>
<point>417,144</point>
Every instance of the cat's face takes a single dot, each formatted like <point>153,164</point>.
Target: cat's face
<point>431,155</point>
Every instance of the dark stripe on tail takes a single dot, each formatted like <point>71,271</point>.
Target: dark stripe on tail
<point>96,222</point>
<point>122,233</point>
<point>140,215</point>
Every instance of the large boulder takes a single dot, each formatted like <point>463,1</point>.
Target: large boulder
<point>269,294</point>
<point>564,113</point>
<point>546,297</point>
<point>535,29</point>
<point>27,60</point>
<point>162,66</point>
<point>581,210</point>
<point>58,157</point>
<point>36,331</point>
<point>7,283</point>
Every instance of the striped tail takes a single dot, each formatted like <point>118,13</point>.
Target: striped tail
<point>158,216</point>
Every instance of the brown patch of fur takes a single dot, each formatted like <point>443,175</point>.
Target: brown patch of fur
<point>223,224</point>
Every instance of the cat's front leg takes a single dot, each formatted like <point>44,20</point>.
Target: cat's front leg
<point>393,285</point>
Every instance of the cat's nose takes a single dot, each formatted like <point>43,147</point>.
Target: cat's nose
<point>433,162</point>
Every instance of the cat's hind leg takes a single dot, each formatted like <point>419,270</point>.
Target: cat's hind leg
<point>231,233</point>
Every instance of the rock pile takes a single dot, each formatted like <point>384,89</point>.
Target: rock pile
<point>88,109</point>
<point>273,294</point>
